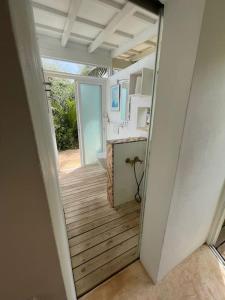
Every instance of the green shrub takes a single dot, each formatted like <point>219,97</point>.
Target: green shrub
<point>64,113</point>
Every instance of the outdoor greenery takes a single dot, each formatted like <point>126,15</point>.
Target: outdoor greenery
<point>64,113</point>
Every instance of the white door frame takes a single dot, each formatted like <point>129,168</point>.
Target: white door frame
<point>93,81</point>
<point>88,80</point>
<point>148,144</point>
<point>52,123</point>
<point>218,220</point>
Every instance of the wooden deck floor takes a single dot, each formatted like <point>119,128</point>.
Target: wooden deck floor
<point>102,240</point>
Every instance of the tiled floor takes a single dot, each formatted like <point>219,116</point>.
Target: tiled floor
<point>200,277</point>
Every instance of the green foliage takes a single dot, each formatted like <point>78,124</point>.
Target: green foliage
<point>64,113</point>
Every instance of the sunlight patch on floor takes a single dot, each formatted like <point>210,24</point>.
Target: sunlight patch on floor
<point>69,160</point>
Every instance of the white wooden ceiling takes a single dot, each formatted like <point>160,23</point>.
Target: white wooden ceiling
<point>127,30</point>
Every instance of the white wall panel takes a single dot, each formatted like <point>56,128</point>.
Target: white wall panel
<point>201,169</point>
<point>182,25</point>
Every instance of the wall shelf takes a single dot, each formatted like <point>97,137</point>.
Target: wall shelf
<point>143,118</point>
<point>140,82</point>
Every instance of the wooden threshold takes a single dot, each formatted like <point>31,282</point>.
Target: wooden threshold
<point>102,240</point>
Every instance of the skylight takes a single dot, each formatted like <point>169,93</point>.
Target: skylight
<point>65,66</point>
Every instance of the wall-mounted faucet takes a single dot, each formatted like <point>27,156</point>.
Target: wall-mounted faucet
<point>133,161</point>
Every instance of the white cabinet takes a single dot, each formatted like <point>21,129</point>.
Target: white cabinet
<point>141,82</point>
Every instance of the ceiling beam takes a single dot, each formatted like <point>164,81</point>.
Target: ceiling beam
<point>90,22</point>
<point>145,18</point>
<point>75,52</point>
<point>72,14</point>
<point>49,9</point>
<point>120,63</point>
<point>154,5</point>
<point>132,51</point>
<point>142,54</point>
<point>152,43</point>
<point>78,19</point>
<point>120,17</point>
<point>138,39</point>
<point>118,6</point>
<point>47,27</point>
<point>75,35</point>
<point>110,3</point>
<point>100,26</point>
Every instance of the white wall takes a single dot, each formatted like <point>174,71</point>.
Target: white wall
<point>182,24</point>
<point>130,129</point>
<point>35,175</point>
<point>125,186</point>
<point>201,170</point>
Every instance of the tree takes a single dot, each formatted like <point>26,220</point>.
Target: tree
<point>64,113</point>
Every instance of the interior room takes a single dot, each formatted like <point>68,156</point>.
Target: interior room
<point>112,149</point>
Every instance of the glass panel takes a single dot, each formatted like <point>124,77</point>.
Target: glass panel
<point>123,101</point>
<point>91,120</point>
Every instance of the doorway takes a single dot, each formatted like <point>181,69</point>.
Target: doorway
<point>78,132</point>
<point>103,198</point>
<point>64,121</point>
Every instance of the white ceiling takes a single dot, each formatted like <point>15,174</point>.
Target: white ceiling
<point>83,21</point>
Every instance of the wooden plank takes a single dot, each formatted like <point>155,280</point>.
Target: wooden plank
<point>90,190</point>
<point>75,191</point>
<point>104,258</point>
<point>80,208</point>
<point>102,237</point>
<point>85,202</point>
<point>79,177</point>
<point>79,185</point>
<point>90,215</point>
<point>93,222</point>
<point>93,279</point>
<point>76,198</point>
<point>85,182</point>
<point>92,209</point>
<point>92,233</point>
<point>127,10</point>
<point>74,201</point>
<point>80,197</point>
<point>104,246</point>
<point>81,172</point>
<point>141,37</point>
<point>80,180</point>
<point>77,230</point>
